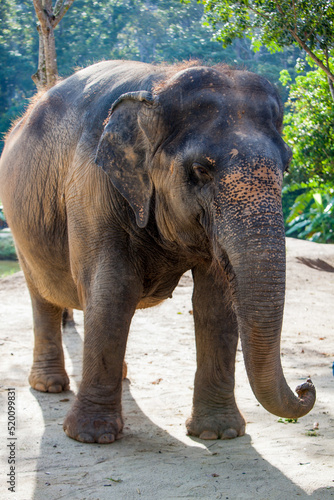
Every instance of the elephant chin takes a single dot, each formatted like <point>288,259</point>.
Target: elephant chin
<point>257,282</point>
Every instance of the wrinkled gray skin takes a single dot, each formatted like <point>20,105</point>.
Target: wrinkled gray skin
<point>108,211</point>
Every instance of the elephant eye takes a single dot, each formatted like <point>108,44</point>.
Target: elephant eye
<point>202,173</point>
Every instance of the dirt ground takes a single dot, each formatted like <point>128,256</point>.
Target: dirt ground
<point>155,459</point>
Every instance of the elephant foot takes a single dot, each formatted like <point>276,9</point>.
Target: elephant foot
<point>49,380</point>
<point>223,425</point>
<point>92,423</point>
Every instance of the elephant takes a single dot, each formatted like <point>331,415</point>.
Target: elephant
<point>117,181</point>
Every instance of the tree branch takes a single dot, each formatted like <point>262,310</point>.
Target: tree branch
<point>295,14</point>
<point>40,12</point>
<point>300,42</point>
<point>60,10</point>
<point>330,82</point>
<point>308,35</point>
<point>39,78</point>
<point>47,73</point>
<point>44,14</point>
<point>260,14</point>
<point>316,59</point>
<point>279,8</point>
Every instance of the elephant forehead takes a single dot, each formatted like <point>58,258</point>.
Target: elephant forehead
<point>222,79</point>
<point>227,104</point>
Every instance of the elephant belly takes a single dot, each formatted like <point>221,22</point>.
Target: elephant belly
<point>48,273</point>
<point>149,302</point>
<point>161,287</point>
<point>55,286</point>
<point>61,291</point>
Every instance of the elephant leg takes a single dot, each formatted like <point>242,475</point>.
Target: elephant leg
<point>48,370</point>
<point>215,413</point>
<point>68,322</point>
<point>96,414</point>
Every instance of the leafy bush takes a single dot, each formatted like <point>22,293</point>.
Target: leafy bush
<point>2,216</point>
<point>312,214</point>
<point>7,247</point>
<point>309,127</point>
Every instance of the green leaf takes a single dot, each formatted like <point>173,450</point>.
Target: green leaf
<point>318,199</point>
<point>297,227</point>
<point>285,77</point>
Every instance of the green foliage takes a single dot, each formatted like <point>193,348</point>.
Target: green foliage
<point>7,247</point>
<point>2,215</point>
<point>168,31</point>
<point>275,24</point>
<point>309,127</point>
<point>18,57</point>
<point>312,214</point>
<point>145,30</point>
<point>89,31</point>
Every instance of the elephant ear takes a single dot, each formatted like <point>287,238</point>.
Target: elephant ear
<point>124,149</point>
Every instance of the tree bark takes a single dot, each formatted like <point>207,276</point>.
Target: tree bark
<point>331,87</point>
<point>48,17</point>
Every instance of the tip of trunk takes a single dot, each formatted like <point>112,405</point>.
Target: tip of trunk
<point>307,396</point>
<point>287,405</point>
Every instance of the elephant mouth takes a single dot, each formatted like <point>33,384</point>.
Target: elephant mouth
<point>223,270</point>
<point>228,269</point>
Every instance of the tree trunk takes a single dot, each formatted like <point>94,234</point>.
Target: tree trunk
<point>48,17</point>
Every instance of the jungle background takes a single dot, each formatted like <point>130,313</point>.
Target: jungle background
<point>157,31</point>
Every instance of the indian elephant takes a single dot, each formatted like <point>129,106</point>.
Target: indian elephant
<point>118,180</point>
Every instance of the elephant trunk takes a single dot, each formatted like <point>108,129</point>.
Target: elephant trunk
<point>256,254</point>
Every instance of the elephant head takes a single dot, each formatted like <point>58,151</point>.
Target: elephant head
<point>206,146</point>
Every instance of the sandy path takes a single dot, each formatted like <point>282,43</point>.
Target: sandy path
<point>155,459</point>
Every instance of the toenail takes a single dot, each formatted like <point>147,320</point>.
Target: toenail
<point>208,435</point>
